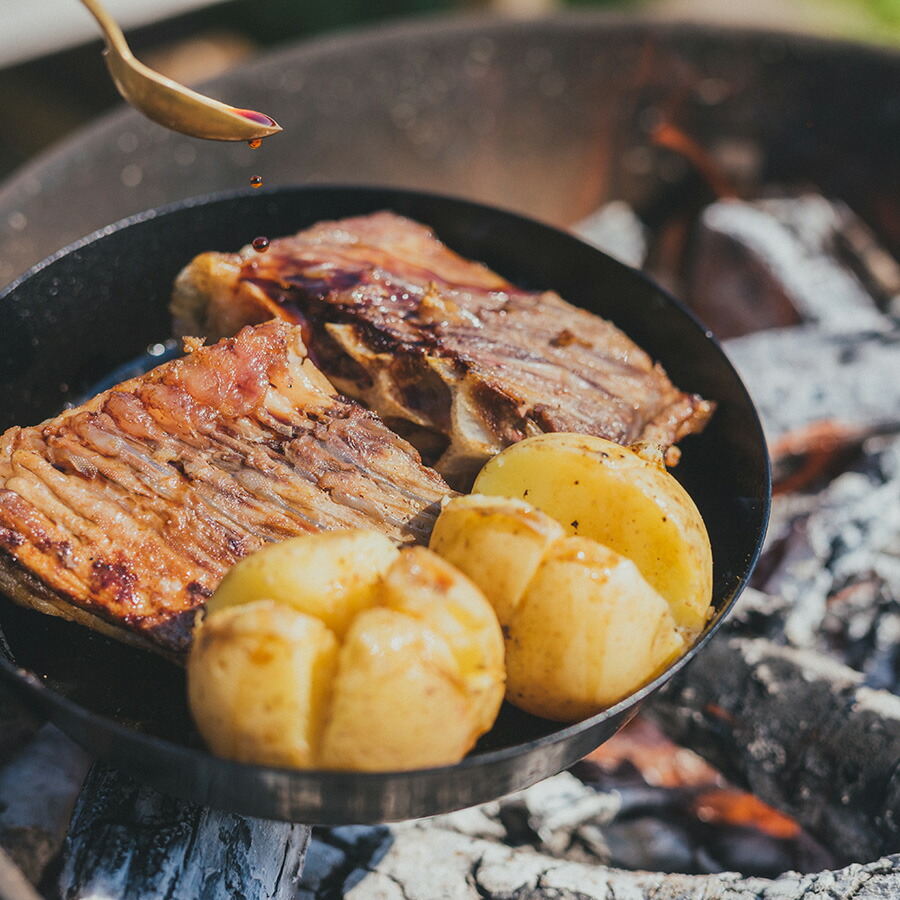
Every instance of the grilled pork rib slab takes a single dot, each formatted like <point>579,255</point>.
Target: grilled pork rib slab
<point>124,514</point>
<point>445,350</point>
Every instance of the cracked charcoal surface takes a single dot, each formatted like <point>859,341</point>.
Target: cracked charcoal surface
<point>127,840</point>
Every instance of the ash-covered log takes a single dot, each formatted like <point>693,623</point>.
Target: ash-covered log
<point>801,732</point>
<point>831,566</point>
<point>788,260</point>
<point>38,789</point>
<point>800,378</point>
<point>812,728</point>
<point>616,229</point>
<point>471,855</point>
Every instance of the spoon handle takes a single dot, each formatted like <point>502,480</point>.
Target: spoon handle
<point>115,40</point>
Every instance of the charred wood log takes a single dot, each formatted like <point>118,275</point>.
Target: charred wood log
<point>128,840</point>
<point>800,376</point>
<point>17,724</point>
<point>785,261</point>
<point>801,732</point>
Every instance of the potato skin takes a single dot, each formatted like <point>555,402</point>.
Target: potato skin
<point>423,585</point>
<point>330,576</point>
<point>588,631</point>
<point>259,681</point>
<point>498,542</point>
<point>409,676</point>
<point>399,700</point>
<point>620,498</point>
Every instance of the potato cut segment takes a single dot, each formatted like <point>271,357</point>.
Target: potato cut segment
<point>588,632</point>
<point>259,683</point>
<point>410,678</point>
<point>622,499</point>
<point>498,542</point>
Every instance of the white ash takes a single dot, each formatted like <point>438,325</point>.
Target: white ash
<point>792,241</point>
<point>616,229</point>
<point>803,375</point>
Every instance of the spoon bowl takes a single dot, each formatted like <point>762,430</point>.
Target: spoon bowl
<point>169,103</point>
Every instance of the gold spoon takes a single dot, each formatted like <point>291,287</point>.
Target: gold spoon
<point>170,103</point>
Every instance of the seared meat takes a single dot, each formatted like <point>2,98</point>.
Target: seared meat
<point>126,513</point>
<point>445,350</point>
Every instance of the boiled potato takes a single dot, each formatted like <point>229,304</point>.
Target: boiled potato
<point>399,701</point>
<point>498,542</point>
<point>628,502</point>
<point>331,575</point>
<point>423,585</point>
<point>401,666</point>
<point>588,631</point>
<point>259,676</point>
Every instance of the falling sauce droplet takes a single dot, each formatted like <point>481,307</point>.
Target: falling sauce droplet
<point>261,244</point>
<point>255,143</point>
<point>256,181</point>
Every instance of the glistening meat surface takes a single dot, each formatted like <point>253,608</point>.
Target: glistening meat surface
<point>125,514</point>
<point>445,350</point>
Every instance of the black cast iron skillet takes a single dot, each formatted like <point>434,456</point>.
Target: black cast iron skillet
<point>99,303</point>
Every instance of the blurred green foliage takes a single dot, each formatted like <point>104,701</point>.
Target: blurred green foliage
<point>276,21</point>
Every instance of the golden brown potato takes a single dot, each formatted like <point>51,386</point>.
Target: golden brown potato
<point>408,676</point>
<point>498,542</point>
<point>589,630</point>
<point>620,498</point>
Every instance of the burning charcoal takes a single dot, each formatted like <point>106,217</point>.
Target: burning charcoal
<point>804,375</point>
<point>640,755</point>
<point>785,261</point>
<point>616,229</point>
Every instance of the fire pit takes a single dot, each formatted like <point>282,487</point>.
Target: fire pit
<point>755,174</point>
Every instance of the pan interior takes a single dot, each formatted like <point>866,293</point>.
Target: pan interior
<point>114,307</point>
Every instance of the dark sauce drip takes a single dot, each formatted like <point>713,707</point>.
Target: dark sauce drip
<point>260,244</point>
<point>260,118</point>
<point>256,181</point>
